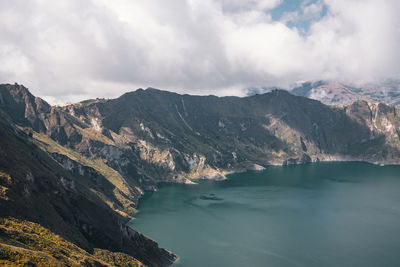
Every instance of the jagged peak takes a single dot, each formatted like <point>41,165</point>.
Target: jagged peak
<point>16,88</point>
<point>20,91</point>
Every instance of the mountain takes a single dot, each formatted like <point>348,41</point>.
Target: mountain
<point>45,207</point>
<point>336,93</point>
<point>79,170</point>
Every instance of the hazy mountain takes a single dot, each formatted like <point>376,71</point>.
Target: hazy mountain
<point>335,93</point>
<point>98,156</point>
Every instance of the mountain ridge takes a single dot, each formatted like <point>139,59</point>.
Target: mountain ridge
<point>116,149</point>
<point>35,188</point>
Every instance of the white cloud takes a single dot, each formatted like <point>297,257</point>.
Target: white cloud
<point>246,5</point>
<point>68,50</point>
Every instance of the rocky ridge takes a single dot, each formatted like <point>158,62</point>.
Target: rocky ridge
<point>150,136</point>
<point>36,189</point>
<point>116,149</point>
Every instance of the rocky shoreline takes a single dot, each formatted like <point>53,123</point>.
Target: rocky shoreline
<point>288,162</point>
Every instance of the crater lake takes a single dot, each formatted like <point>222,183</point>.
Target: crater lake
<point>320,214</point>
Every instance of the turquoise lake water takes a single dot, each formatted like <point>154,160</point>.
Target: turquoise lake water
<point>323,214</point>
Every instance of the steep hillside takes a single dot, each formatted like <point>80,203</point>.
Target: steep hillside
<point>188,135</point>
<point>23,243</point>
<point>36,188</point>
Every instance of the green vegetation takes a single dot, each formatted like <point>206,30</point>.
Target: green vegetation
<point>5,181</point>
<point>24,243</point>
<point>116,258</point>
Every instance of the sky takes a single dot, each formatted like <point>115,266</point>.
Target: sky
<point>71,50</point>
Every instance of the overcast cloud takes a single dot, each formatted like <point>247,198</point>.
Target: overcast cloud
<point>69,50</point>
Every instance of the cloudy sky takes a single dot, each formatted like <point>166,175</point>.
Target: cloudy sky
<point>70,50</point>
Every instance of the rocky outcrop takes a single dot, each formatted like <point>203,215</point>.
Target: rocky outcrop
<point>149,248</point>
<point>302,160</point>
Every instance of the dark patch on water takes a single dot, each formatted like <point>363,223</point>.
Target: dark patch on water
<point>211,197</point>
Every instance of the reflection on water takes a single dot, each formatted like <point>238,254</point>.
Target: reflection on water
<point>325,214</point>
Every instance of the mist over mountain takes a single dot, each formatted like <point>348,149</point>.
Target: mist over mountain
<point>196,47</point>
<point>341,93</point>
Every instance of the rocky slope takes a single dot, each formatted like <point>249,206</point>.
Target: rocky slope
<point>34,188</point>
<point>111,151</point>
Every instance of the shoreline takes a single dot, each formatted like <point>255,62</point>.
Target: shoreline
<point>226,172</point>
<point>194,181</point>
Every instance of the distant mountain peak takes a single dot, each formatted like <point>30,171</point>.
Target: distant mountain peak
<point>333,92</point>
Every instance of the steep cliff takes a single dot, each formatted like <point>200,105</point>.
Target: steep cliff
<point>36,188</point>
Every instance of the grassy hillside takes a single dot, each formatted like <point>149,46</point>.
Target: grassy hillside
<point>24,243</point>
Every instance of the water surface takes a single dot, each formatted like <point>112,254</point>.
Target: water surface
<point>324,214</point>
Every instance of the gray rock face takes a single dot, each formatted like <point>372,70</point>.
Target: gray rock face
<point>302,160</point>
<point>150,135</point>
